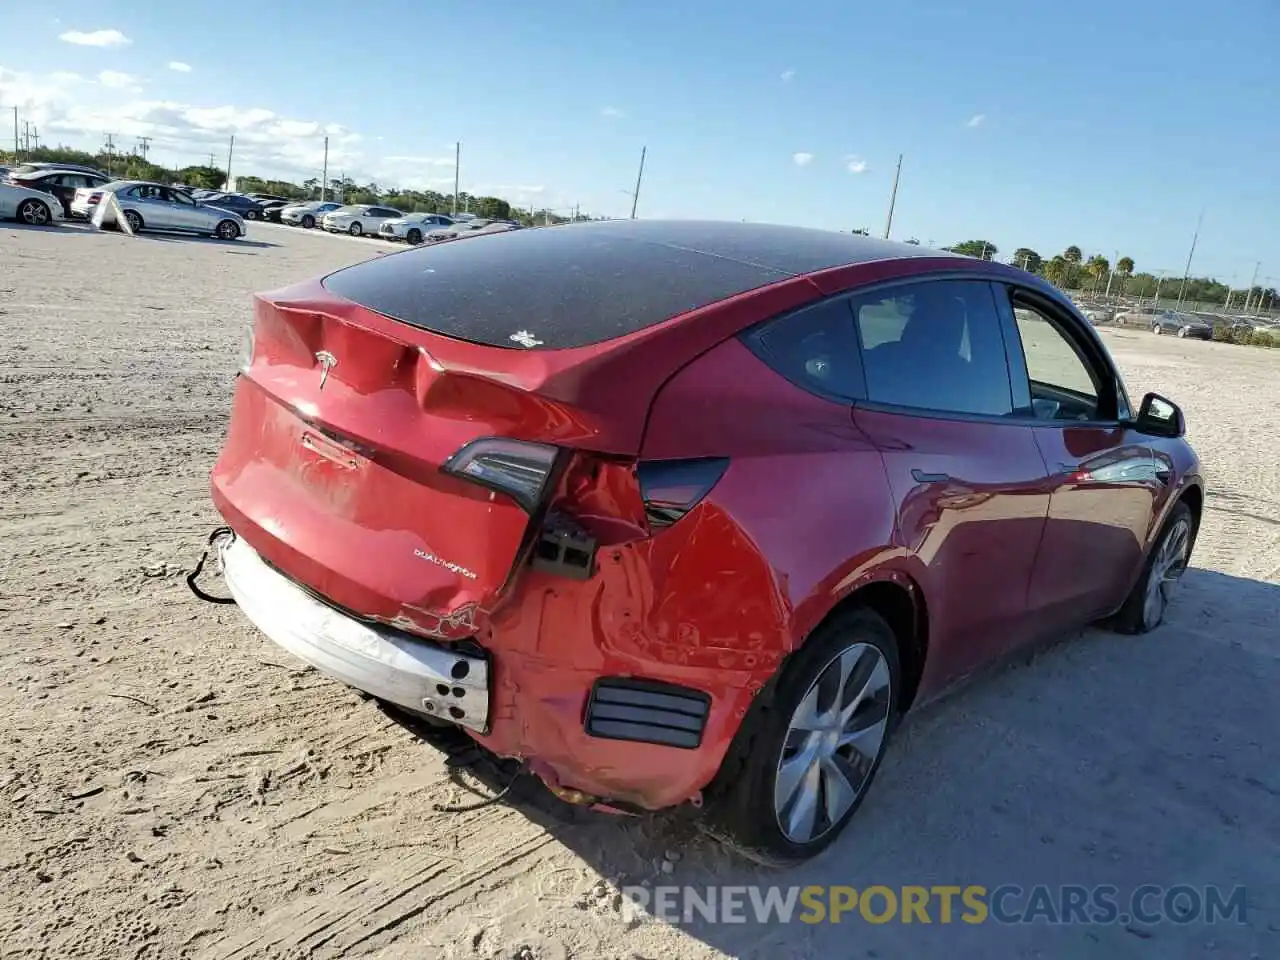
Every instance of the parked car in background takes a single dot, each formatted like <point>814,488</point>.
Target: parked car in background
<point>241,205</point>
<point>32,207</point>
<point>266,197</point>
<point>1182,324</point>
<point>307,214</point>
<point>1135,316</point>
<point>413,227</point>
<point>1098,314</point>
<point>59,183</point>
<point>271,209</point>
<point>359,219</point>
<point>26,168</point>
<point>547,502</point>
<point>467,227</point>
<point>155,206</point>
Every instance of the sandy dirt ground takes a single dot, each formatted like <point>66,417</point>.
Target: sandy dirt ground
<point>173,785</point>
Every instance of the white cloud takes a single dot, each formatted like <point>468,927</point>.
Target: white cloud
<point>855,164</point>
<point>612,112</point>
<point>788,76</point>
<point>95,38</point>
<point>116,80</point>
<point>179,66</point>
<point>976,120</point>
<point>802,159</point>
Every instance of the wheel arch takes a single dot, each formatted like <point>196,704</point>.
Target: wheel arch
<point>900,602</point>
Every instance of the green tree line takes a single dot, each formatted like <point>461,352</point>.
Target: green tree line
<point>134,167</point>
<point>1069,270</point>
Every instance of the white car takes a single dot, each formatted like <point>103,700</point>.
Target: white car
<point>359,219</point>
<point>307,214</point>
<point>28,206</point>
<point>413,227</point>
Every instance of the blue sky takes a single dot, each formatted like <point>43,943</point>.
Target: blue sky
<point>1105,125</point>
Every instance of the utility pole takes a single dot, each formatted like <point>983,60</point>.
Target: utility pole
<point>324,173</point>
<point>26,136</point>
<point>1111,272</point>
<point>212,161</point>
<point>110,148</point>
<point>635,197</point>
<point>144,144</point>
<point>35,136</point>
<point>457,174</point>
<point>1257,265</point>
<point>231,147</point>
<point>15,135</point>
<point>893,200</point>
<point>1191,253</point>
<point>1156,299</point>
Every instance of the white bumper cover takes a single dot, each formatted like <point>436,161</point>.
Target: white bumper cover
<point>392,666</point>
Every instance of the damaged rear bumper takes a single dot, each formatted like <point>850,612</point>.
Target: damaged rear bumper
<point>407,671</point>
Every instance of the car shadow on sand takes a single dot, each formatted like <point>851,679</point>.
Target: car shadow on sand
<point>1095,759</point>
<point>79,228</point>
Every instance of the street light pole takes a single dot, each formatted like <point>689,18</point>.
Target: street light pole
<point>1257,265</point>
<point>635,197</point>
<point>324,172</point>
<point>893,200</point>
<point>1182,289</point>
<point>457,173</point>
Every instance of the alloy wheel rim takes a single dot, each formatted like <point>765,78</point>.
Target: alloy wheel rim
<point>1166,569</point>
<point>227,230</point>
<point>832,743</point>
<point>34,213</point>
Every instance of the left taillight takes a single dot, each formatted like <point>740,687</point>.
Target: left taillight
<point>517,468</point>
<point>671,488</point>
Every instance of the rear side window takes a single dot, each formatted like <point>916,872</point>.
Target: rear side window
<point>934,345</point>
<point>815,348</point>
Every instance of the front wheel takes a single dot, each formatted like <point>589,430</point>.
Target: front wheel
<point>809,748</point>
<point>227,230</point>
<point>134,220</point>
<point>308,221</point>
<point>1156,330</point>
<point>355,229</point>
<point>34,213</point>
<point>414,237</point>
<point>1182,332</point>
<point>1145,607</point>
<point>252,215</point>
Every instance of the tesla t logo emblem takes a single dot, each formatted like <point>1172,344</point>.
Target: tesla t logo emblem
<point>327,362</point>
<point>526,339</point>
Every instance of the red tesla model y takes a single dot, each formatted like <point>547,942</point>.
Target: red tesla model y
<point>688,512</point>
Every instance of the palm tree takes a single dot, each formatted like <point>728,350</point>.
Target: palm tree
<point>1055,271</point>
<point>1072,256</point>
<point>1124,267</point>
<point>1097,268</point>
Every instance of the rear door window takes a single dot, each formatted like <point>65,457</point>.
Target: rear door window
<point>936,346</point>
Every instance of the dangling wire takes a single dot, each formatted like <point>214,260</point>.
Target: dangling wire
<point>191,577</point>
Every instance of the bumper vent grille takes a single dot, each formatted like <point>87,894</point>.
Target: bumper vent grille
<point>647,711</point>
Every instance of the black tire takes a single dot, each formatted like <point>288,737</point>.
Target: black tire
<point>1134,616</point>
<point>740,808</point>
<point>252,215</point>
<point>1156,329</point>
<point>414,236</point>
<point>136,222</point>
<point>355,229</point>
<point>35,213</point>
<point>227,230</point>
<point>1182,332</point>
<point>308,221</point>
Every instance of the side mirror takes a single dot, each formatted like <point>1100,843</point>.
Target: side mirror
<point>1160,417</point>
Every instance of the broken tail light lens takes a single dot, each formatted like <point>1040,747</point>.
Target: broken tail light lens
<point>516,468</point>
<point>671,488</point>
<point>246,349</point>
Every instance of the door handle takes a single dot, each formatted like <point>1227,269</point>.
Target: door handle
<point>1064,467</point>
<point>919,476</point>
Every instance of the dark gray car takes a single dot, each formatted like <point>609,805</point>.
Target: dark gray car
<point>1182,325</point>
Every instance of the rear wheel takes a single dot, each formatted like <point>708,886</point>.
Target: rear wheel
<point>308,221</point>
<point>252,215</point>
<point>809,748</point>
<point>414,236</point>
<point>227,230</point>
<point>1182,332</point>
<point>34,213</point>
<point>1145,607</point>
<point>134,220</point>
<point>355,229</point>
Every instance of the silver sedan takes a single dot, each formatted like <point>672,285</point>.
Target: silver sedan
<point>154,206</point>
<point>28,206</point>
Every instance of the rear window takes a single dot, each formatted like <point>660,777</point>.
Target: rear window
<point>545,289</point>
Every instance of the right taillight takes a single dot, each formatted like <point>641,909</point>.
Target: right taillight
<point>671,488</point>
